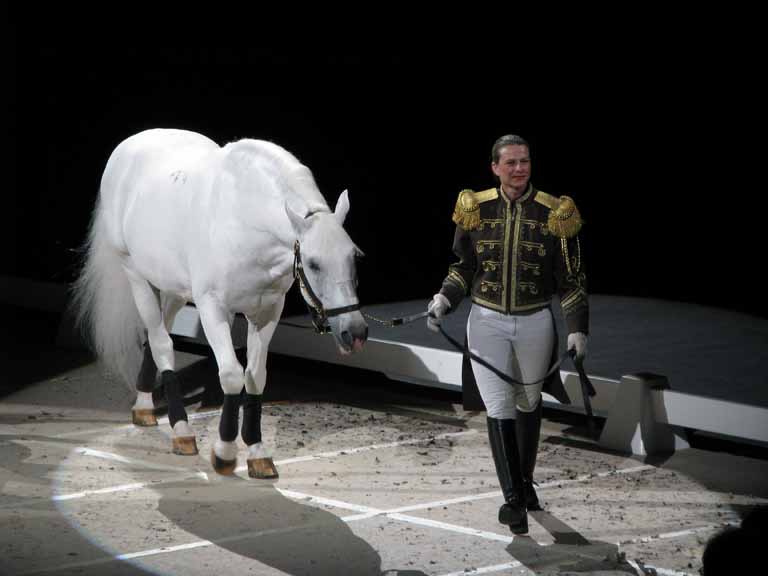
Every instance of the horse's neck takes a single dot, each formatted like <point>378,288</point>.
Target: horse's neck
<point>292,181</point>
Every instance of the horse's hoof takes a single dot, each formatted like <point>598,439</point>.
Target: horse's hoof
<point>223,467</point>
<point>144,417</point>
<point>262,468</point>
<point>184,445</point>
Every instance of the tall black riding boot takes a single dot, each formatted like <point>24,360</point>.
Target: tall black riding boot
<point>528,429</point>
<point>501,434</point>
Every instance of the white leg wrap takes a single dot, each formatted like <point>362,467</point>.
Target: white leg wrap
<point>182,428</point>
<point>257,451</point>
<point>225,450</point>
<point>144,401</point>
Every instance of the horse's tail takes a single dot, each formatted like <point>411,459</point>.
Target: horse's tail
<point>103,303</point>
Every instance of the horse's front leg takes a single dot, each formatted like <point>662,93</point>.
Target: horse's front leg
<point>218,330</point>
<point>260,464</point>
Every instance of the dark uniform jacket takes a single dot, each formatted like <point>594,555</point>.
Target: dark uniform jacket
<point>514,256</point>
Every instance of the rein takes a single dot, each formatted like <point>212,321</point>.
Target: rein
<point>587,389</point>
<point>392,322</point>
<point>320,322</point>
<point>467,353</point>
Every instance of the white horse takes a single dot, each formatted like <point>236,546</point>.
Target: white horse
<point>180,219</point>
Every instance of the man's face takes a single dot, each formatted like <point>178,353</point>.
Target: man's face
<point>513,168</point>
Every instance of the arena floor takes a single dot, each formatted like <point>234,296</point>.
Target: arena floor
<point>376,477</point>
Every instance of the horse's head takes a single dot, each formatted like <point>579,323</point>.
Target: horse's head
<point>326,255</point>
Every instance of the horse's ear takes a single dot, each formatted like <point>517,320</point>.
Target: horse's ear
<point>298,223</point>
<point>342,207</point>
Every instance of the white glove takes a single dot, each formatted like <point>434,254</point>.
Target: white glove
<point>437,309</point>
<point>578,341</point>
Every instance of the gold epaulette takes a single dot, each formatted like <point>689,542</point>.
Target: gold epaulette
<point>467,211</point>
<point>564,220</point>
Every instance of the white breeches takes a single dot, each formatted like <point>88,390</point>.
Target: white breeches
<point>520,346</point>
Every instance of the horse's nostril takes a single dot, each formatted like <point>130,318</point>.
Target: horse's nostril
<point>365,334</point>
<point>346,337</point>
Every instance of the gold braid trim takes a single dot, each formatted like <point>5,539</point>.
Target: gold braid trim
<point>564,246</point>
<point>564,220</point>
<point>457,279</point>
<point>576,260</point>
<point>573,298</point>
<point>467,211</point>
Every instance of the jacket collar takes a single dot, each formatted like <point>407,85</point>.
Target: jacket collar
<point>529,193</point>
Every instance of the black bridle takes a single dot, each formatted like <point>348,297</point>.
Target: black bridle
<point>316,309</point>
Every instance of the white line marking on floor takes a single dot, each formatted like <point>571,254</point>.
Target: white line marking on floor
<point>367,512</point>
<point>348,451</point>
<point>328,502</point>
<point>452,528</point>
<point>127,487</point>
<point>164,550</point>
<point>363,515</point>
<point>204,476</point>
<point>112,489</point>
<point>497,493</point>
<point>297,496</point>
<point>679,533</point>
<point>167,549</point>
<point>364,512</point>
<point>85,451</point>
<point>585,477</point>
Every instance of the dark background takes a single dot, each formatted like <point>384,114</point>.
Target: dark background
<point>654,133</point>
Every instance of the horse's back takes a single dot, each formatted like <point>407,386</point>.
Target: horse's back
<point>158,140</point>
<point>151,150</point>
<point>150,161</point>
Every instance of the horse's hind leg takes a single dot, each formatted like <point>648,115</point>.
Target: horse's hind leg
<point>162,352</point>
<point>144,410</point>
<point>260,464</point>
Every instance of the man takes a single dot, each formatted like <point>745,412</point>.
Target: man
<point>517,247</point>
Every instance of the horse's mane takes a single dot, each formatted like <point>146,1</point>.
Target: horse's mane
<point>276,163</point>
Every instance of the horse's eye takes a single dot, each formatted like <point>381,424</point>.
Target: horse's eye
<point>314,266</point>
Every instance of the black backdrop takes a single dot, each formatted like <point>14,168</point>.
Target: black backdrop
<point>652,136</point>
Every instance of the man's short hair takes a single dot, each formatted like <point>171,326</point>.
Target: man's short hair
<point>507,140</point>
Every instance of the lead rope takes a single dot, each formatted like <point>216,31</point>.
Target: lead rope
<point>587,390</point>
